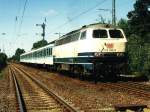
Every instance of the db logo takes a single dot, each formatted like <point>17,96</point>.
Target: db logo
<point>109,45</point>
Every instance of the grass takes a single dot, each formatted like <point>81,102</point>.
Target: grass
<point>2,72</point>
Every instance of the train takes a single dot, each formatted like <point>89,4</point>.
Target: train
<point>96,49</point>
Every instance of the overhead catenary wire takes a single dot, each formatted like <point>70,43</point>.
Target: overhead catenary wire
<point>82,13</point>
<point>19,20</point>
<point>15,19</point>
<point>22,17</point>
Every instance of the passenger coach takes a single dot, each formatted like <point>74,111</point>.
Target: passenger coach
<point>38,56</point>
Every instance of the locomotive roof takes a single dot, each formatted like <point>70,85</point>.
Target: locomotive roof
<point>94,25</point>
<point>99,25</point>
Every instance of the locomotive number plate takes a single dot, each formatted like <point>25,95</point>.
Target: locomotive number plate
<point>109,50</point>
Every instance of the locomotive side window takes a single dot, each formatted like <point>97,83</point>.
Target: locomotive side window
<point>69,38</point>
<point>83,35</point>
<point>115,34</point>
<point>100,34</point>
<point>75,36</point>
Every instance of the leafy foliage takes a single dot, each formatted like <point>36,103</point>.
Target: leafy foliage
<point>137,29</point>
<point>39,44</point>
<point>3,60</point>
<point>139,18</point>
<point>18,52</point>
<point>123,23</point>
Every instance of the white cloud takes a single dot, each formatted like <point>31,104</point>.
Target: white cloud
<point>48,13</point>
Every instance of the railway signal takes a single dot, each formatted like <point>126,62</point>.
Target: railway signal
<point>43,25</point>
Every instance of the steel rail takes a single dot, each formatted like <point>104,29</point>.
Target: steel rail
<point>56,97</point>
<point>21,102</point>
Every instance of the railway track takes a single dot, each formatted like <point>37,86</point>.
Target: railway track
<point>33,95</point>
<point>137,85</point>
<point>83,102</point>
<point>132,88</point>
<point>20,100</point>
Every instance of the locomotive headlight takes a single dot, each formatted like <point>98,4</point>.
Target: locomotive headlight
<point>120,54</point>
<point>98,54</point>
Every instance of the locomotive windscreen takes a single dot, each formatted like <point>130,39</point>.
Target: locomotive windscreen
<point>115,34</point>
<point>100,34</point>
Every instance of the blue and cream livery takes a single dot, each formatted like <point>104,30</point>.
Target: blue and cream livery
<point>96,45</point>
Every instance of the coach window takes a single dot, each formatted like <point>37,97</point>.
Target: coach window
<point>35,54</point>
<point>38,54</point>
<point>44,52</point>
<point>100,34</point>
<point>49,51</point>
<point>83,35</point>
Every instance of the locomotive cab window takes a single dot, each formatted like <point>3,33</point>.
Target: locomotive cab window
<point>100,34</point>
<point>115,34</point>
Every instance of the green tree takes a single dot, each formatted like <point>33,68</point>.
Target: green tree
<point>139,37</point>
<point>139,19</point>
<point>3,60</point>
<point>39,44</point>
<point>18,52</point>
<point>123,23</point>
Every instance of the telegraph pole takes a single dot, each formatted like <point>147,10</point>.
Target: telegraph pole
<point>114,12</point>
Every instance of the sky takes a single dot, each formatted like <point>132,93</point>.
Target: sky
<point>18,21</point>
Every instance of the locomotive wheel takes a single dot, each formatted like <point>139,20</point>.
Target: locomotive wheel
<point>81,73</point>
<point>58,68</point>
<point>71,71</point>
